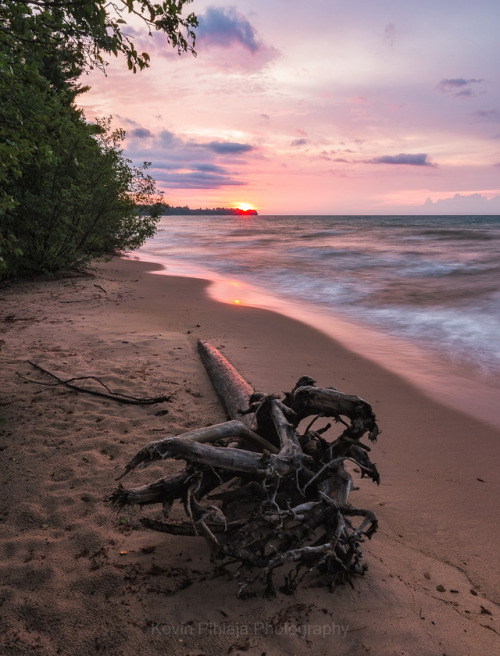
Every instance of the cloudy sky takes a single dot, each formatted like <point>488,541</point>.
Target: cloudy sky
<point>319,107</point>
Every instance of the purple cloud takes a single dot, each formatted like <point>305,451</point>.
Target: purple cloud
<point>463,204</point>
<point>227,147</point>
<point>210,168</point>
<point>126,120</point>
<point>179,163</point>
<point>488,115</point>
<point>141,133</point>
<point>299,142</point>
<point>390,33</point>
<point>167,138</point>
<point>458,87</point>
<point>417,159</point>
<point>226,27</point>
<point>196,180</point>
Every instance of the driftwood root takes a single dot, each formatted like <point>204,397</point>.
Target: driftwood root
<point>264,492</point>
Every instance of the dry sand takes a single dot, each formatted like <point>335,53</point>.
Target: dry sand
<point>78,580</point>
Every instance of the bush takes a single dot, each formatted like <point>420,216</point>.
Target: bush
<point>67,193</point>
<point>78,198</point>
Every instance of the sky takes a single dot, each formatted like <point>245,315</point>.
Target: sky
<point>318,107</point>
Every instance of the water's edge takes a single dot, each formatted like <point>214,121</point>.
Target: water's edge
<point>445,383</point>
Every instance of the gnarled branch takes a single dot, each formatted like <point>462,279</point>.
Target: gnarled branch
<point>286,506</point>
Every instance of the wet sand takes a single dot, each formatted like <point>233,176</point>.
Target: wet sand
<point>77,579</point>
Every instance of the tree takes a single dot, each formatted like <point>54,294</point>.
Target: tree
<point>66,191</point>
<point>78,199</point>
<point>46,43</point>
<point>87,29</point>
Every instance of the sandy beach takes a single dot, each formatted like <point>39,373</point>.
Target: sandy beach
<point>78,579</point>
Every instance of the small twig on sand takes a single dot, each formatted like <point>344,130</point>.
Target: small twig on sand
<point>115,396</point>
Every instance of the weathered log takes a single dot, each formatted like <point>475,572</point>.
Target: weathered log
<point>289,441</point>
<point>167,447</point>
<point>238,460</point>
<point>157,492</point>
<point>329,402</point>
<point>288,505</point>
<point>167,490</point>
<point>232,389</point>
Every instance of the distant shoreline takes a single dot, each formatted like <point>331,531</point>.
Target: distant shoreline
<point>217,211</point>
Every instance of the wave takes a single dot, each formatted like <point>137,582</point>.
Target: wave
<point>458,235</point>
<point>433,280</point>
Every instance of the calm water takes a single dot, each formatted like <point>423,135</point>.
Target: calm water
<point>432,282</point>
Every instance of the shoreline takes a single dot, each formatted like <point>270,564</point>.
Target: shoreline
<point>436,502</point>
<point>457,386</point>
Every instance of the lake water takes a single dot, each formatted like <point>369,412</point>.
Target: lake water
<point>420,294</point>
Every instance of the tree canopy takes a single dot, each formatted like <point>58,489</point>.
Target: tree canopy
<point>67,193</point>
<point>89,30</point>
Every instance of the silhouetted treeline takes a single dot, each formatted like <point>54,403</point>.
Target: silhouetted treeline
<point>225,211</point>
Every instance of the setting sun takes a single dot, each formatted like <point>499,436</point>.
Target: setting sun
<point>245,207</point>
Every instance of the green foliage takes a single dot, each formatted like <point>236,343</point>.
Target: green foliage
<point>67,193</point>
<point>77,200</point>
<point>9,252</point>
<point>91,29</point>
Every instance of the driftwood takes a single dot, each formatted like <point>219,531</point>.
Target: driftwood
<point>262,490</point>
